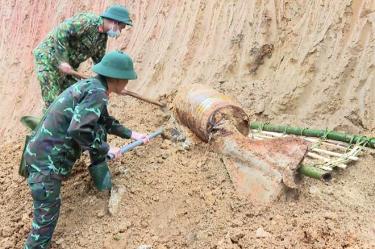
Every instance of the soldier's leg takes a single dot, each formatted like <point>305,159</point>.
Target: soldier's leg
<point>49,83</point>
<point>46,204</point>
<point>48,76</point>
<point>99,170</point>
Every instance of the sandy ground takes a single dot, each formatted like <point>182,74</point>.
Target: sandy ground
<point>305,63</point>
<point>176,198</point>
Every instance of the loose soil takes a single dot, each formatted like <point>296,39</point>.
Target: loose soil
<point>304,63</point>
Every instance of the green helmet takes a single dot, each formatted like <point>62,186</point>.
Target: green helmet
<point>118,13</point>
<point>117,65</point>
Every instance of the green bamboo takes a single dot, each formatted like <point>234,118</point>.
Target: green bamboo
<point>315,172</point>
<point>333,135</point>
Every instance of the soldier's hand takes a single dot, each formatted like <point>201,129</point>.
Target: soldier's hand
<point>140,136</point>
<point>65,68</point>
<point>115,152</point>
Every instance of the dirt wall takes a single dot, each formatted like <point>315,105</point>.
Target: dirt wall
<point>319,68</point>
<point>307,63</point>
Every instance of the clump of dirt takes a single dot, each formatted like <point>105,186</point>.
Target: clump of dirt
<point>258,54</point>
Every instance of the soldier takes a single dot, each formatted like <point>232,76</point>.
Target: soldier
<point>71,43</point>
<point>76,121</point>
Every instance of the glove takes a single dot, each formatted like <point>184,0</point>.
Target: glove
<point>65,68</point>
<point>140,136</point>
<point>114,152</point>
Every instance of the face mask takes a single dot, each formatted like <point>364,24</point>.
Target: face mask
<point>113,34</point>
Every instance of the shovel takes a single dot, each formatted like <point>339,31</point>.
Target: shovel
<point>125,92</point>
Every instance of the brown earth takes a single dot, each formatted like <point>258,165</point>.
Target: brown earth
<point>319,72</point>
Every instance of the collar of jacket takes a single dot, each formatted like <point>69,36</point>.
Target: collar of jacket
<point>103,81</point>
<point>101,25</point>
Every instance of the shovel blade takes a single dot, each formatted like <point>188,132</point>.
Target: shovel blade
<point>30,121</point>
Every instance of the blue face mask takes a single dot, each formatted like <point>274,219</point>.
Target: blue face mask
<point>113,34</point>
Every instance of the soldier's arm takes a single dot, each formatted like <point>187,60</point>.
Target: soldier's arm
<point>99,56</point>
<point>69,29</point>
<point>84,122</point>
<point>114,127</point>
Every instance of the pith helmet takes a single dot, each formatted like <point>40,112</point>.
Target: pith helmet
<point>118,13</point>
<point>117,65</point>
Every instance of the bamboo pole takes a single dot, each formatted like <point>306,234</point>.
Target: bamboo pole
<point>330,153</point>
<point>315,172</point>
<point>316,156</point>
<point>332,143</point>
<point>353,158</point>
<point>324,167</point>
<point>307,170</point>
<point>338,136</point>
<point>312,140</point>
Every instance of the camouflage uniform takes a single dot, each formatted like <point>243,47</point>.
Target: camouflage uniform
<point>73,41</point>
<point>77,120</point>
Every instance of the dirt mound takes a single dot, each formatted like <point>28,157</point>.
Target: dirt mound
<point>176,198</point>
<point>307,63</point>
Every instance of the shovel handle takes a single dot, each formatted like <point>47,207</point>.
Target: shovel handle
<point>128,147</point>
<point>125,92</point>
<point>78,75</point>
<point>136,95</point>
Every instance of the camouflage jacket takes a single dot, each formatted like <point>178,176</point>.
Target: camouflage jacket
<point>77,120</point>
<point>73,41</point>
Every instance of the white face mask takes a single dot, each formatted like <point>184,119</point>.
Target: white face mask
<point>112,33</point>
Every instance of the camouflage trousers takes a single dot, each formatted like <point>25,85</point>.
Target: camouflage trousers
<point>45,190</point>
<point>52,81</point>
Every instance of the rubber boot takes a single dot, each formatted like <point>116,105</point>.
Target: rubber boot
<point>101,175</point>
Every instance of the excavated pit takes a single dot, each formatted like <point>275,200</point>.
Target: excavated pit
<point>319,73</point>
